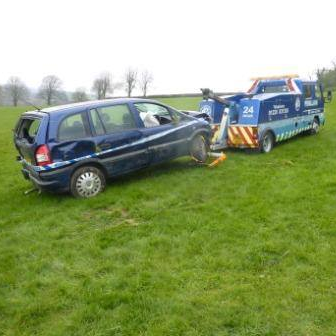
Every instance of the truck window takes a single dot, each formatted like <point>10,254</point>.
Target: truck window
<point>275,89</point>
<point>307,91</point>
<point>318,92</point>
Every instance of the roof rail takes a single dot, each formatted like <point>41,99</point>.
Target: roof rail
<point>275,77</point>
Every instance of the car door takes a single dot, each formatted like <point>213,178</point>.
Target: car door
<point>168,136</point>
<point>118,138</point>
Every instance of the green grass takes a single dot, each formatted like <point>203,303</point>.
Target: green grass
<point>247,248</point>
<point>185,103</point>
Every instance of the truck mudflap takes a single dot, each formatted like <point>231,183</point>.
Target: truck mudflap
<point>243,136</point>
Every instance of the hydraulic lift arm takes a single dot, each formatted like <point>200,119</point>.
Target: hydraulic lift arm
<point>209,94</point>
<point>219,139</point>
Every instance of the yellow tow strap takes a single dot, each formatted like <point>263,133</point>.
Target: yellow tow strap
<point>220,157</point>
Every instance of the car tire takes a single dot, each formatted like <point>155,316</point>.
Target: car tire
<point>87,181</point>
<point>315,127</point>
<point>199,148</point>
<point>266,142</point>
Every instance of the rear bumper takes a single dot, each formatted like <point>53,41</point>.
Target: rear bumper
<point>37,180</point>
<point>57,181</point>
<point>243,136</point>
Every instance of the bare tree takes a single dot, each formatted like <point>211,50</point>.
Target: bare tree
<point>130,80</point>
<point>103,85</point>
<point>50,89</point>
<point>312,75</point>
<point>145,81</point>
<point>79,95</point>
<point>333,62</point>
<point>16,90</point>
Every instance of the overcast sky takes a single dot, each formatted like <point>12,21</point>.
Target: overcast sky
<point>185,44</point>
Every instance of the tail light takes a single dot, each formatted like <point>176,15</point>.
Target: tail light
<point>255,132</point>
<point>42,155</point>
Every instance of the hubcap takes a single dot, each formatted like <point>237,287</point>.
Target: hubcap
<point>315,126</point>
<point>267,143</point>
<point>88,184</point>
<point>199,149</point>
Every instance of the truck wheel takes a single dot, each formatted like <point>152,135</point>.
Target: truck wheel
<point>87,182</point>
<point>199,148</point>
<point>315,127</point>
<point>267,142</point>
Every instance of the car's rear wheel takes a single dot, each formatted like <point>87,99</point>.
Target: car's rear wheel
<point>199,148</point>
<point>267,142</point>
<point>87,182</point>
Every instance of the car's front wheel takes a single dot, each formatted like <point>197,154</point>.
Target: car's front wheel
<point>199,148</point>
<point>87,182</point>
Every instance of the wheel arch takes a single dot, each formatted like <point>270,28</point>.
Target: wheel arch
<point>266,130</point>
<point>201,131</point>
<point>317,117</point>
<point>93,163</point>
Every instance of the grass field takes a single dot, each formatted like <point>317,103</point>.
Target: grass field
<point>247,248</point>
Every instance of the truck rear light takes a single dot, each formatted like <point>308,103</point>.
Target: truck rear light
<point>42,155</point>
<point>255,132</point>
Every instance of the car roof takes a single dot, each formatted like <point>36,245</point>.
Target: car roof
<point>76,107</point>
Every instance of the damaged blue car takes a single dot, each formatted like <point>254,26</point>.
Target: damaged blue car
<point>77,147</point>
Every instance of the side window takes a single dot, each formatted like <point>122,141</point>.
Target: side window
<point>34,126</point>
<point>177,115</point>
<point>153,114</point>
<point>116,118</point>
<point>97,123</point>
<point>307,90</point>
<point>318,93</point>
<point>72,128</point>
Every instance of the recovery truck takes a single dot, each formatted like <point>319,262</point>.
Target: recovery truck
<point>274,109</point>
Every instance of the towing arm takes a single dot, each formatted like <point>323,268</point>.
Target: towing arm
<point>209,94</point>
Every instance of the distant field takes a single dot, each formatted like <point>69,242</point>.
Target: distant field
<point>247,248</point>
<point>186,103</point>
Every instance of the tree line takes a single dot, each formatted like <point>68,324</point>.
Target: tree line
<point>327,76</point>
<point>51,89</point>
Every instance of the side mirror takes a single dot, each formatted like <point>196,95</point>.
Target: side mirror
<point>329,96</point>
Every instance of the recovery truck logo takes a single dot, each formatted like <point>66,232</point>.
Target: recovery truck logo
<point>206,109</point>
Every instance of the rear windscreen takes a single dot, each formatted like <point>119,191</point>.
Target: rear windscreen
<point>275,89</point>
<point>27,129</point>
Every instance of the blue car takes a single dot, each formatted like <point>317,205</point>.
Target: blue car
<point>77,147</point>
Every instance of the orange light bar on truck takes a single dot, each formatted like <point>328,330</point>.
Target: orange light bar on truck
<point>275,77</point>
